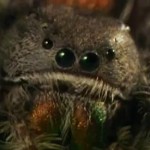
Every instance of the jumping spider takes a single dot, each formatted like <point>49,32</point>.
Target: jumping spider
<point>72,81</point>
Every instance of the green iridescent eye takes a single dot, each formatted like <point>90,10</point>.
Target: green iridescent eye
<point>65,58</point>
<point>89,62</point>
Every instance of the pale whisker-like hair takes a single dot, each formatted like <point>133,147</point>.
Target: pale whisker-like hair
<point>85,86</point>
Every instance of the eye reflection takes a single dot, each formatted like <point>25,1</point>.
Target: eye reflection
<point>47,43</point>
<point>89,62</point>
<point>110,53</point>
<point>65,58</point>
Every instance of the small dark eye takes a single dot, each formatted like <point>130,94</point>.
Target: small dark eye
<point>89,61</point>
<point>65,58</point>
<point>47,43</point>
<point>110,53</point>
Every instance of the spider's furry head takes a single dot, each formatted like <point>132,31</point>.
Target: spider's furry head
<point>95,49</point>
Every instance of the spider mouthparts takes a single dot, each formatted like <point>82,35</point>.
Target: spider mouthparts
<point>61,87</point>
<point>70,85</point>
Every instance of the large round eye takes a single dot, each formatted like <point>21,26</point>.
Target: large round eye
<point>89,62</point>
<point>47,43</point>
<point>110,53</point>
<point>65,58</point>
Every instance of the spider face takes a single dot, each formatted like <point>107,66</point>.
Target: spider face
<point>68,62</point>
<point>98,49</point>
